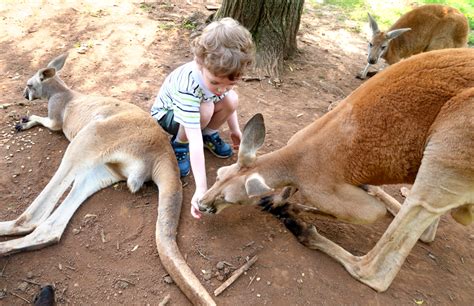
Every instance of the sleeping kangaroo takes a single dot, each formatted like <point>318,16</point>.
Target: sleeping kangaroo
<point>111,141</point>
<point>412,123</point>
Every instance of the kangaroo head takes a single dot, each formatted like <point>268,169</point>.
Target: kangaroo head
<point>380,40</point>
<point>35,85</point>
<point>239,183</point>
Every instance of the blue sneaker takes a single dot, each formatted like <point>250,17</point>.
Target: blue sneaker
<point>217,146</point>
<point>181,150</point>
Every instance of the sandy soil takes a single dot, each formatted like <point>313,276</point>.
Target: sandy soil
<point>107,254</point>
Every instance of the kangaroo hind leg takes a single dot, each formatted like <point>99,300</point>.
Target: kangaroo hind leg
<point>44,203</point>
<point>51,230</point>
<point>394,207</point>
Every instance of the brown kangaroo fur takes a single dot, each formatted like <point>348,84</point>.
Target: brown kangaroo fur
<point>111,141</point>
<point>412,123</point>
<point>425,28</point>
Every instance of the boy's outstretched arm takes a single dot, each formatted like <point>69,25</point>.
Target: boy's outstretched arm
<point>198,166</point>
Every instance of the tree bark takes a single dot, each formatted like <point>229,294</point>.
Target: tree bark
<point>273,24</point>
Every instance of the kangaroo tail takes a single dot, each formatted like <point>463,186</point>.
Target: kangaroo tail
<point>169,210</point>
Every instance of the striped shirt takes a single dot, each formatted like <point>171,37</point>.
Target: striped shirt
<point>183,91</point>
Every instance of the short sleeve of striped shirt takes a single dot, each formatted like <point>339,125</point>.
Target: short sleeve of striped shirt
<point>181,93</point>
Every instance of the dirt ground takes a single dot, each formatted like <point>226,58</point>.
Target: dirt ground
<point>107,254</point>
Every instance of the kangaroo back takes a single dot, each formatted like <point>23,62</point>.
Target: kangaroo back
<point>393,114</point>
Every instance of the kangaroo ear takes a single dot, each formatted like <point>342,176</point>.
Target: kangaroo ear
<point>46,73</point>
<point>58,62</point>
<point>373,25</point>
<point>255,186</point>
<point>395,33</point>
<point>252,139</point>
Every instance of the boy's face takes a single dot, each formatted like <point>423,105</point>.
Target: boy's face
<point>217,85</point>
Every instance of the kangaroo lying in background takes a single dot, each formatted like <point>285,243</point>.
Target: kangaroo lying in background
<point>412,123</point>
<point>426,28</point>
<point>111,141</point>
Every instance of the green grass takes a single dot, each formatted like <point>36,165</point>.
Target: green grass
<point>387,12</point>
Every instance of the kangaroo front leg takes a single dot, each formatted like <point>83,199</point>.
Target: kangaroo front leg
<point>390,202</point>
<point>273,201</point>
<point>33,120</point>
<point>51,230</point>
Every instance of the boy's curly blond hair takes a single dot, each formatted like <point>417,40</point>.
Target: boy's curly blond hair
<point>225,48</point>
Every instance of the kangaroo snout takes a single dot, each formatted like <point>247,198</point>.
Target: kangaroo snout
<point>208,209</point>
<point>372,61</point>
<point>26,94</point>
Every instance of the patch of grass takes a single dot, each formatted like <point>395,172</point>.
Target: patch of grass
<point>166,26</point>
<point>188,24</point>
<point>146,7</point>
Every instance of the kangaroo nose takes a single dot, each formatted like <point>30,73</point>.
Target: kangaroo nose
<point>25,94</point>
<point>372,61</point>
<point>207,209</point>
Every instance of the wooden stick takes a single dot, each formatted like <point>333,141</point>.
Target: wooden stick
<point>20,297</point>
<point>165,300</point>
<point>235,275</point>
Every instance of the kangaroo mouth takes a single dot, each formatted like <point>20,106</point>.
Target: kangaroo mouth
<point>213,208</point>
<point>208,210</point>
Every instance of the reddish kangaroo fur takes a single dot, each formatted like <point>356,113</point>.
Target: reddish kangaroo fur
<point>412,123</point>
<point>425,28</point>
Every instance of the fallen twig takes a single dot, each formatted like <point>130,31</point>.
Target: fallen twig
<point>20,297</point>
<point>102,236</point>
<point>235,275</point>
<point>31,282</point>
<point>124,280</point>
<point>4,267</point>
<point>202,255</point>
<point>165,300</point>
<point>70,268</point>
<point>252,78</point>
<point>251,280</point>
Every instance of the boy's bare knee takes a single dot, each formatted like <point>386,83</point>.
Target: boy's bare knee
<point>231,101</point>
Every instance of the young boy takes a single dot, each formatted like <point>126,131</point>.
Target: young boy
<point>197,98</point>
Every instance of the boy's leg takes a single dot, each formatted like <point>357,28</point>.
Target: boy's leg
<point>178,142</point>
<point>221,112</point>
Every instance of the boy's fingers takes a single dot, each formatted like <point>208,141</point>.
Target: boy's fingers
<point>195,212</point>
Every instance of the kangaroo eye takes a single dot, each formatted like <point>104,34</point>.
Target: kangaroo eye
<point>370,44</point>
<point>383,47</point>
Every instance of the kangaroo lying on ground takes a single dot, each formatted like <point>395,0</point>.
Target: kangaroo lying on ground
<point>111,141</point>
<point>412,123</point>
<point>426,28</point>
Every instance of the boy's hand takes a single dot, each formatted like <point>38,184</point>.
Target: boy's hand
<point>194,204</point>
<point>236,137</point>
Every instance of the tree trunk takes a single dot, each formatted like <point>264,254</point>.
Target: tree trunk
<point>273,24</point>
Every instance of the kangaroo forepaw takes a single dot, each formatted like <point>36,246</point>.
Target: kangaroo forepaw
<point>294,226</point>
<point>266,203</point>
<point>21,126</point>
<point>280,211</point>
